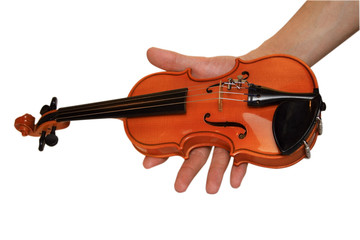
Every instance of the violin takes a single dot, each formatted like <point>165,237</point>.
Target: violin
<point>265,112</point>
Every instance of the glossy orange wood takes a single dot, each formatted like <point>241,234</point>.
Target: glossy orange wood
<point>26,125</point>
<point>163,136</point>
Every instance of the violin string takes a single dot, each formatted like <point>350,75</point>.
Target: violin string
<point>140,97</point>
<point>75,111</point>
<point>207,86</point>
<point>123,101</point>
<point>137,98</point>
<point>97,108</point>
<point>59,118</point>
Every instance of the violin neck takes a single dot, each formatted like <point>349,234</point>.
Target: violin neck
<point>161,103</point>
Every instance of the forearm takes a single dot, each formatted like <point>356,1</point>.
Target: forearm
<point>314,31</point>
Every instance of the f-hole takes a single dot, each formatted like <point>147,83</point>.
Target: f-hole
<point>226,124</point>
<point>208,90</point>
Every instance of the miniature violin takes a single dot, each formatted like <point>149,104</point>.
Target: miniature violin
<point>265,111</point>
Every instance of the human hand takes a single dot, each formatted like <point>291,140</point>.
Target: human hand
<point>201,68</point>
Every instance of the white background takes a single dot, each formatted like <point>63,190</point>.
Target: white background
<point>92,184</point>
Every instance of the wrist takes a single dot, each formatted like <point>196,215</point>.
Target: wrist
<point>263,50</point>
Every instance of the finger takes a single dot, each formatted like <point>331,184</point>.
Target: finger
<point>219,163</point>
<point>150,162</point>
<point>191,167</point>
<point>237,174</point>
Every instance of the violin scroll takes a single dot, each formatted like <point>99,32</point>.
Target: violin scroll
<point>25,124</point>
<point>44,128</point>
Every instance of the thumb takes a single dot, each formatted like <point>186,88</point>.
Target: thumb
<point>172,61</point>
<point>201,67</point>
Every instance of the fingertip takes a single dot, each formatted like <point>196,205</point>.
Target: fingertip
<point>214,180</point>
<point>235,184</point>
<point>180,187</point>
<point>151,51</point>
<point>161,58</point>
<point>237,175</point>
<point>211,189</point>
<point>150,162</point>
<point>146,164</point>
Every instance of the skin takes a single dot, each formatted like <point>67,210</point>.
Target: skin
<point>314,31</point>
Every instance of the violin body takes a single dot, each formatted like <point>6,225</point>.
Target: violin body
<point>180,112</point>
<point>163,136</point>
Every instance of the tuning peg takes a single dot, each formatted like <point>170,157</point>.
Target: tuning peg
<point>42,141</point>
<point>46,108</point>
<point>51,139</point>
<point>53,103</point>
